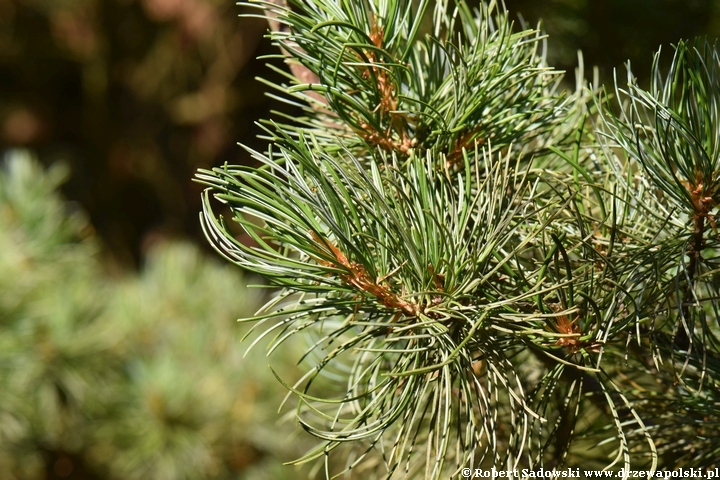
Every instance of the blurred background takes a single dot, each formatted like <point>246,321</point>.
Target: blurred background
<point>120,356</point>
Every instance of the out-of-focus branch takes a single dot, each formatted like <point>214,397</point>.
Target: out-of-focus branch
<point>301,72</point>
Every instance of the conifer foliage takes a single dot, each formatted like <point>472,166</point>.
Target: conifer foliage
<point>492,272</point>
<point>128,378</point>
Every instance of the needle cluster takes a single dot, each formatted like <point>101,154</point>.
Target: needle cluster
<point>492,272</point>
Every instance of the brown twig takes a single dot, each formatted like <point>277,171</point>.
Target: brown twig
<point>465,141</point>
<point>572,342</point>
<point>359,278</point>
<point>703,204</point>
<point>388,103</point>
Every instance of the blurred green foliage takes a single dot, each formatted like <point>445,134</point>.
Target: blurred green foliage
<point>131,377</point>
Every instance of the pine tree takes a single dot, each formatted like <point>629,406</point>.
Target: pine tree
<point>491,271</point>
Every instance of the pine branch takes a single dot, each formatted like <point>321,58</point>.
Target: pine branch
<point>491,275</point>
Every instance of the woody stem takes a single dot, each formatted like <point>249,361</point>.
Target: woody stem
<point>682,338</point>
